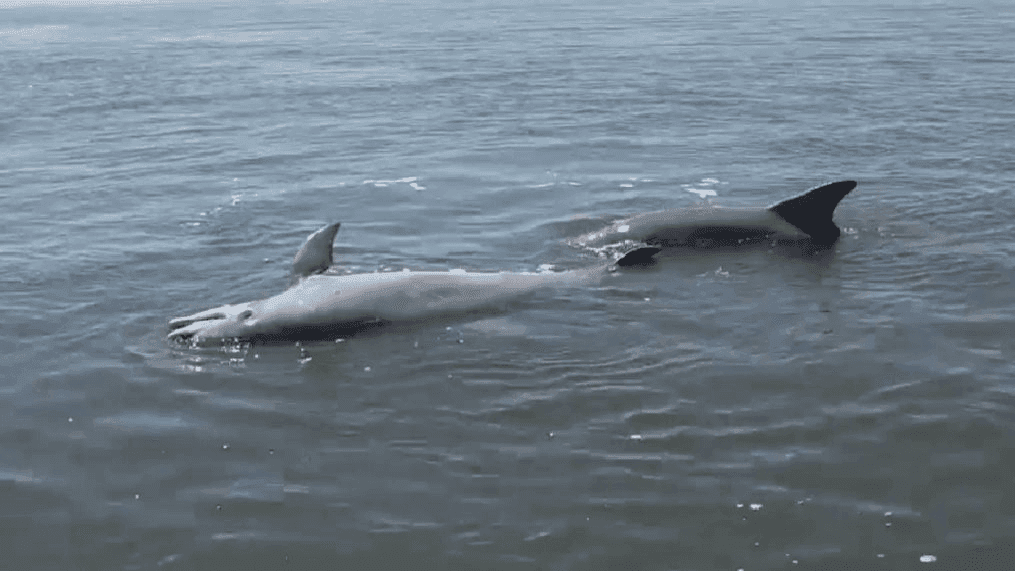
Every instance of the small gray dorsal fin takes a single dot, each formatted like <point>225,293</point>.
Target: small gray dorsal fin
<point>812,210</point>
<point>315,255</point>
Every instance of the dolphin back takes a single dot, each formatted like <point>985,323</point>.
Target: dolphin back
<point>812,211</point>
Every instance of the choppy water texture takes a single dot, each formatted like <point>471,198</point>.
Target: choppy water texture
<point>756,409</point>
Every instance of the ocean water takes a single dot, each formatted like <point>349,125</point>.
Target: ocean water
<point>761,408</point>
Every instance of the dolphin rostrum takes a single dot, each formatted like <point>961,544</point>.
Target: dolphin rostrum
<point>804,217</point>
<point>319,304</point>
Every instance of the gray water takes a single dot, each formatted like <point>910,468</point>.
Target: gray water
<point>763,408</point>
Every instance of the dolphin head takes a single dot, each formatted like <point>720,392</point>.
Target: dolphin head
<point>226,322</point>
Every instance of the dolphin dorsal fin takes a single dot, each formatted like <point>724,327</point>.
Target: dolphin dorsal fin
<point>639,256</point>
<point>315,255</point>
<point>812,210</point>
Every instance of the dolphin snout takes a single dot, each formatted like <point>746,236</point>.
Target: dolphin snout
<point>219,323</point>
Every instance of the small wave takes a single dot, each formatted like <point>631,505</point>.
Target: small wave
<point>147,423</point>
<point>32,31</point>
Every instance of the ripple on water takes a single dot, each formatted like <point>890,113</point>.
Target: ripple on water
<point>149,423</point>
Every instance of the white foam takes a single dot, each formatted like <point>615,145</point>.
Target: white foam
<point>702,192</point>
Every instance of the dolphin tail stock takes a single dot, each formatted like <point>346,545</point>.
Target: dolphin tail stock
<point>315,255</point>
<point>592,275</point>
<point>812,211</point>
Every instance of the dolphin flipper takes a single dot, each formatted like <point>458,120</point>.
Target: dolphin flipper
<point>315,255</point>
<point>811,211</point>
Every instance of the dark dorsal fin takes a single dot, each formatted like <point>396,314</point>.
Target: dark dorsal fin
<point>638,256</point>
<point>812,210</point>
<point>315,255</point>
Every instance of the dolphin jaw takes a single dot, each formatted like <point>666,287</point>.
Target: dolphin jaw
<point>225,322</point>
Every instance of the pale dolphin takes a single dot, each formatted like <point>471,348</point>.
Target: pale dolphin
<point>320,304</point>
<point>804,217</point>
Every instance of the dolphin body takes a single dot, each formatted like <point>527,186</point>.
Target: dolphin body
<point>807,217</point>
<point>318,305</point>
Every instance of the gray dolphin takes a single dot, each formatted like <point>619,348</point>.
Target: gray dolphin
<point>319,304</point>
<point>804,217</point>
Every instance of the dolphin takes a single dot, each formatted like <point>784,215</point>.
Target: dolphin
<point>807,217</point>
<point>319,304</point>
